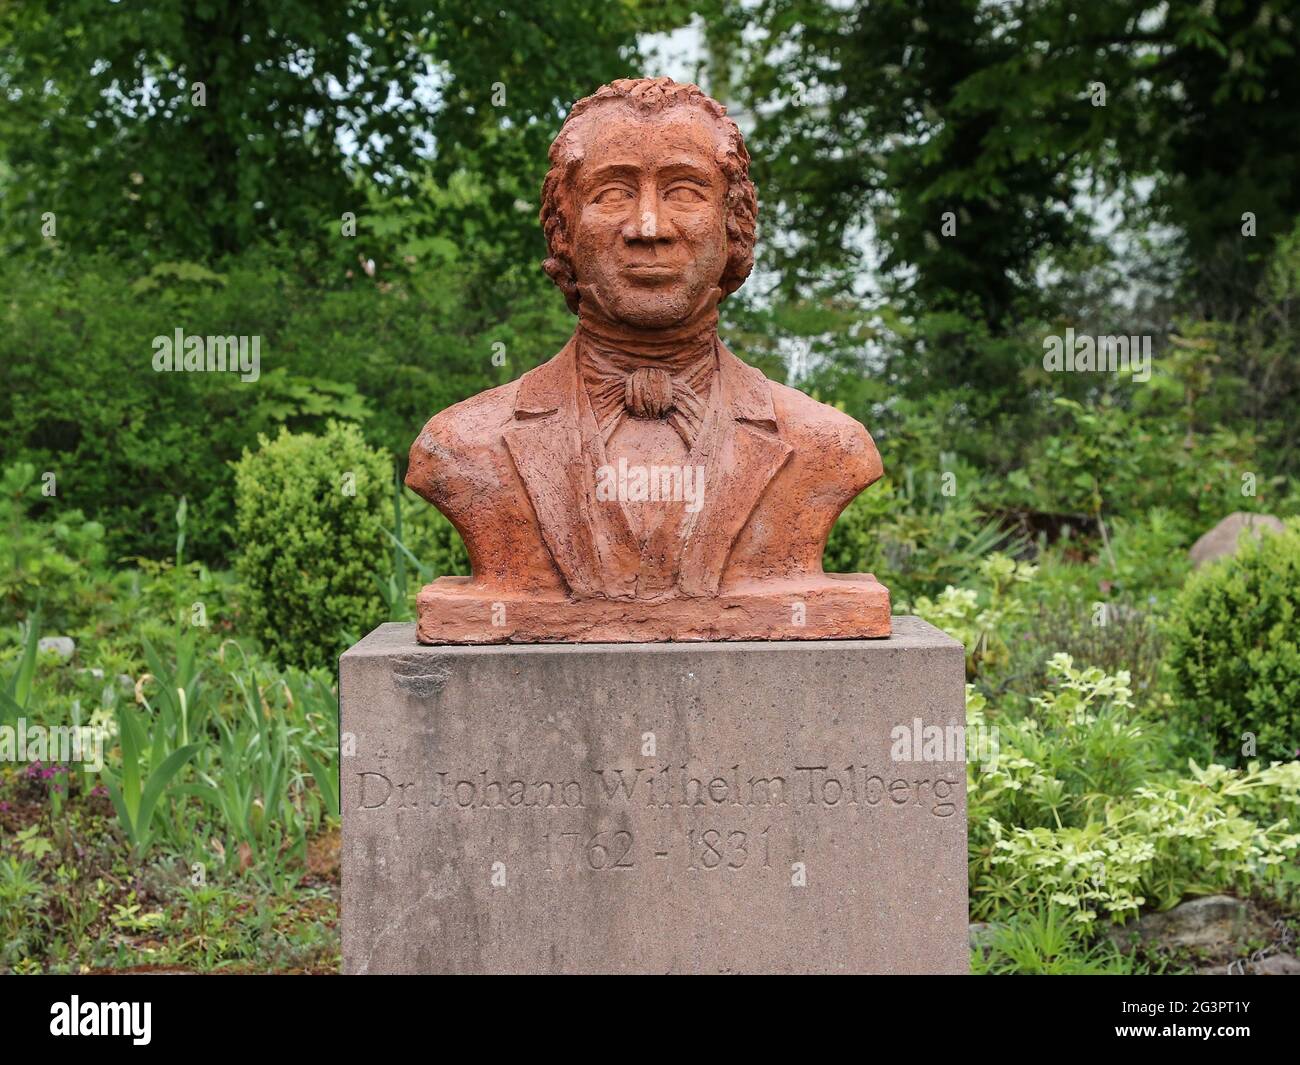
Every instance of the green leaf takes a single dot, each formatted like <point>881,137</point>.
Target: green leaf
<point>158,782</point>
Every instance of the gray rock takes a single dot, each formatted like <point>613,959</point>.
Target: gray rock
<point>1277,965</point>
<point>1211,922</point>
<point>1222,539</point>
<point>63,646</point>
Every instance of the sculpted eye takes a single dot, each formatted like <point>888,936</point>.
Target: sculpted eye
<point>613,194</point>
<point>684,194</point>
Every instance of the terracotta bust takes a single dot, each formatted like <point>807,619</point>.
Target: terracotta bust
<point>645,484</point>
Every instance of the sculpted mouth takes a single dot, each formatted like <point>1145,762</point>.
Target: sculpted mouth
<point>651,271</point>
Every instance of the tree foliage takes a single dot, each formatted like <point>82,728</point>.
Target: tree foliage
<point>199,127</point>
<point>970,142</point>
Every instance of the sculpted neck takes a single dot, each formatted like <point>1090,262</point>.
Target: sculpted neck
<point>671,349</point>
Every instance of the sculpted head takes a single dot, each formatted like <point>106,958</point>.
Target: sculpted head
<point>648,208</point>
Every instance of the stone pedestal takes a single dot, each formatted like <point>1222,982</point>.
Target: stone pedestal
<point>709,807</point>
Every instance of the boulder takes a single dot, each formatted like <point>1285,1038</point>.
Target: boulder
<point>1222,539</point>
<point>1209,923</point>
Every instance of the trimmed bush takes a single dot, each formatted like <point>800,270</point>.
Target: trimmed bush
<point>310,513</point>
<point>1235,648</point>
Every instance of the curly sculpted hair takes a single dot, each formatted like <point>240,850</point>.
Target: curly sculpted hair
<point>648,96</point>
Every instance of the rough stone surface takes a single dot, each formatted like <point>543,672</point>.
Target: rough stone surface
<point>1210,922</point>
<point>1276,965</point>
<point>487,826</point>
<point>645,483</point>
<point>835,606</point>
<point>1222,539</point>
<point>63,646</point>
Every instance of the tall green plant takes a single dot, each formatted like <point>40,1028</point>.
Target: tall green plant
<point>16,689</point>
<point>148,767</point>
<point>249,787</point>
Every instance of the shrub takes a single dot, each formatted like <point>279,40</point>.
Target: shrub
<point>1111,635</point>
<point>1235,651</point>
<point>912,538</point>
<point>55,564</point>
<point>1073,809</point>
<point>982,620</point>
<point>310,518</point>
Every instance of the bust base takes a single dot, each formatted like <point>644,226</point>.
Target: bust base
<point>830,606</point>
<point>654,808</point>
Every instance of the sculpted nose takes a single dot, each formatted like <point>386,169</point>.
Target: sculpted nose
<point>645,223</point>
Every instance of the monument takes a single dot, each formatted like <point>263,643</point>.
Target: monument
<point>645,484</point>
<point>682,748</point>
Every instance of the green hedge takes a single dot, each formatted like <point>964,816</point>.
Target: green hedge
<point>82,398</point>
<point>311,513</point>
<point>1235,648</point>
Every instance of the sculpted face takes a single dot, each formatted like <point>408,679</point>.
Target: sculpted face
<point>650,239</point>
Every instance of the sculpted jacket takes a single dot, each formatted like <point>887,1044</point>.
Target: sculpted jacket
<point>515,470</point>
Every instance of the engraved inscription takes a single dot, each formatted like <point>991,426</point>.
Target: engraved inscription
<point>694,850</point>
<point>666,787</point>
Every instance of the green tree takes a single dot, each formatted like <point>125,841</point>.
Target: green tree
<point>956,136</point>
<point>201,126</point>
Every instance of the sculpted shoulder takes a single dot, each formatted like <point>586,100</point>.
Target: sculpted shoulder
<point>827,438</point>
<point>460,446</point>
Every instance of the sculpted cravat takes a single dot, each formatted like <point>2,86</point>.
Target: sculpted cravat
<point>674,389</point>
